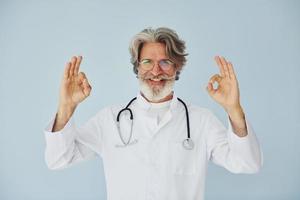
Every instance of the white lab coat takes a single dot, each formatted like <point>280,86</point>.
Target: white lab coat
<point>157,166</point>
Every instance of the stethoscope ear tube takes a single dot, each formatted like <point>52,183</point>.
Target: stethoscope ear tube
<point>131,115</point>
<point>126,108</point>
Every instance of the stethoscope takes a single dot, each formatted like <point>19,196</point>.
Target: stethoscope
<point>187,143</point>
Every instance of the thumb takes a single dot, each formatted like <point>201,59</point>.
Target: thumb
<point>210,89</point>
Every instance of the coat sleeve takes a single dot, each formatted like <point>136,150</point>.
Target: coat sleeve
<point>236,154</point>
<point>71,145</point>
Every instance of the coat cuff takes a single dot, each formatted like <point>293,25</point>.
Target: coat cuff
<point>62,138</point>
<point>246,147</point>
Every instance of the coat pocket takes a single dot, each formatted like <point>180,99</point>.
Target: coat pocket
<point>182,161</point>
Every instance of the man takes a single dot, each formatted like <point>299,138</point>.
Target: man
<point>163,151</point>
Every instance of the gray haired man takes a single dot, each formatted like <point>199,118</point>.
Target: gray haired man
<point>156,146</point>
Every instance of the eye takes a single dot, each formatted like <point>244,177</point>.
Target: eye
<point>146,61</point>
<point>165,62</point>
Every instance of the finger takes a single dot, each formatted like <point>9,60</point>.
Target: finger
<point>86,87</point>
<point>73,61</point>
<point>224,63</point>
<point>210,89</point>
<point>222,71</point>
<point>215,78</point>
<point>81,75</point>
<point>77,65</point>
<point>84,79</point>
<point>231,70</point>
<point>70,70</point>
<point>67,69</point>
<point>86,83</point>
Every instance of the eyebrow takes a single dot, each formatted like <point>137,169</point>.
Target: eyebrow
<point>152,59</point>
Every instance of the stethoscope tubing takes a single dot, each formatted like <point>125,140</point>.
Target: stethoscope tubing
<point>187,143</point>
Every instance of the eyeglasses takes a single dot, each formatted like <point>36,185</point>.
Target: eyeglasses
<point>164,64</point>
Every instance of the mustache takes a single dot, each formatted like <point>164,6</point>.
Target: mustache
<point>161,77</point>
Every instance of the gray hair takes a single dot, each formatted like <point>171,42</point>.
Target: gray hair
<point>175,47</point>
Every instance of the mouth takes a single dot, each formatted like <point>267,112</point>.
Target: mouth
<point>156,81</point>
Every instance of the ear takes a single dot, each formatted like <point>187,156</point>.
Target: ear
<point>177,75</point>
<point>177,72</point>
<point>136,71</point>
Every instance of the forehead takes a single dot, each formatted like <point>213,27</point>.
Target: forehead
<point>153,50</point>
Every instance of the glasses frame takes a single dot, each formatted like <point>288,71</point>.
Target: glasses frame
<point>171,64</point>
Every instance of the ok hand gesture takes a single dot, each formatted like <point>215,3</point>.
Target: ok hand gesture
<point>74,87</point>
<point>227,92</point>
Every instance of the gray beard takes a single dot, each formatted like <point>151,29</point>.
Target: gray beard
<point>155,93</point>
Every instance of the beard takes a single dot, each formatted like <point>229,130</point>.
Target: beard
<point>155,93</point>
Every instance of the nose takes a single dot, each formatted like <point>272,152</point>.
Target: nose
<point>156,70</point>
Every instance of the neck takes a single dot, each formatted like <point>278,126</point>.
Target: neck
<point>167,98</point>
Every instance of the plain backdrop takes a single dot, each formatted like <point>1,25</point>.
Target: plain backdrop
<point>37,38</point>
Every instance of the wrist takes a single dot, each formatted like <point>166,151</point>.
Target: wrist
<point>65,112</point>
<point>237,120</point>
<point>235,112</point>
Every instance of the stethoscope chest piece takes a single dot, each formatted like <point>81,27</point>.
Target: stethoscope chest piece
<point>188,144</point>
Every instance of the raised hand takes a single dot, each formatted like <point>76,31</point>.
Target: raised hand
<point>227,92</point>
<point>73,90</point>
<point>74,86</point>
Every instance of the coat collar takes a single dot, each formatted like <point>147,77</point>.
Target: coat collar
<point>144,104</point>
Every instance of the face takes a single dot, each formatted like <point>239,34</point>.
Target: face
<point>155,83</point>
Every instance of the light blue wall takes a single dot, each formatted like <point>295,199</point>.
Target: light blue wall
<point>261,38</point>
